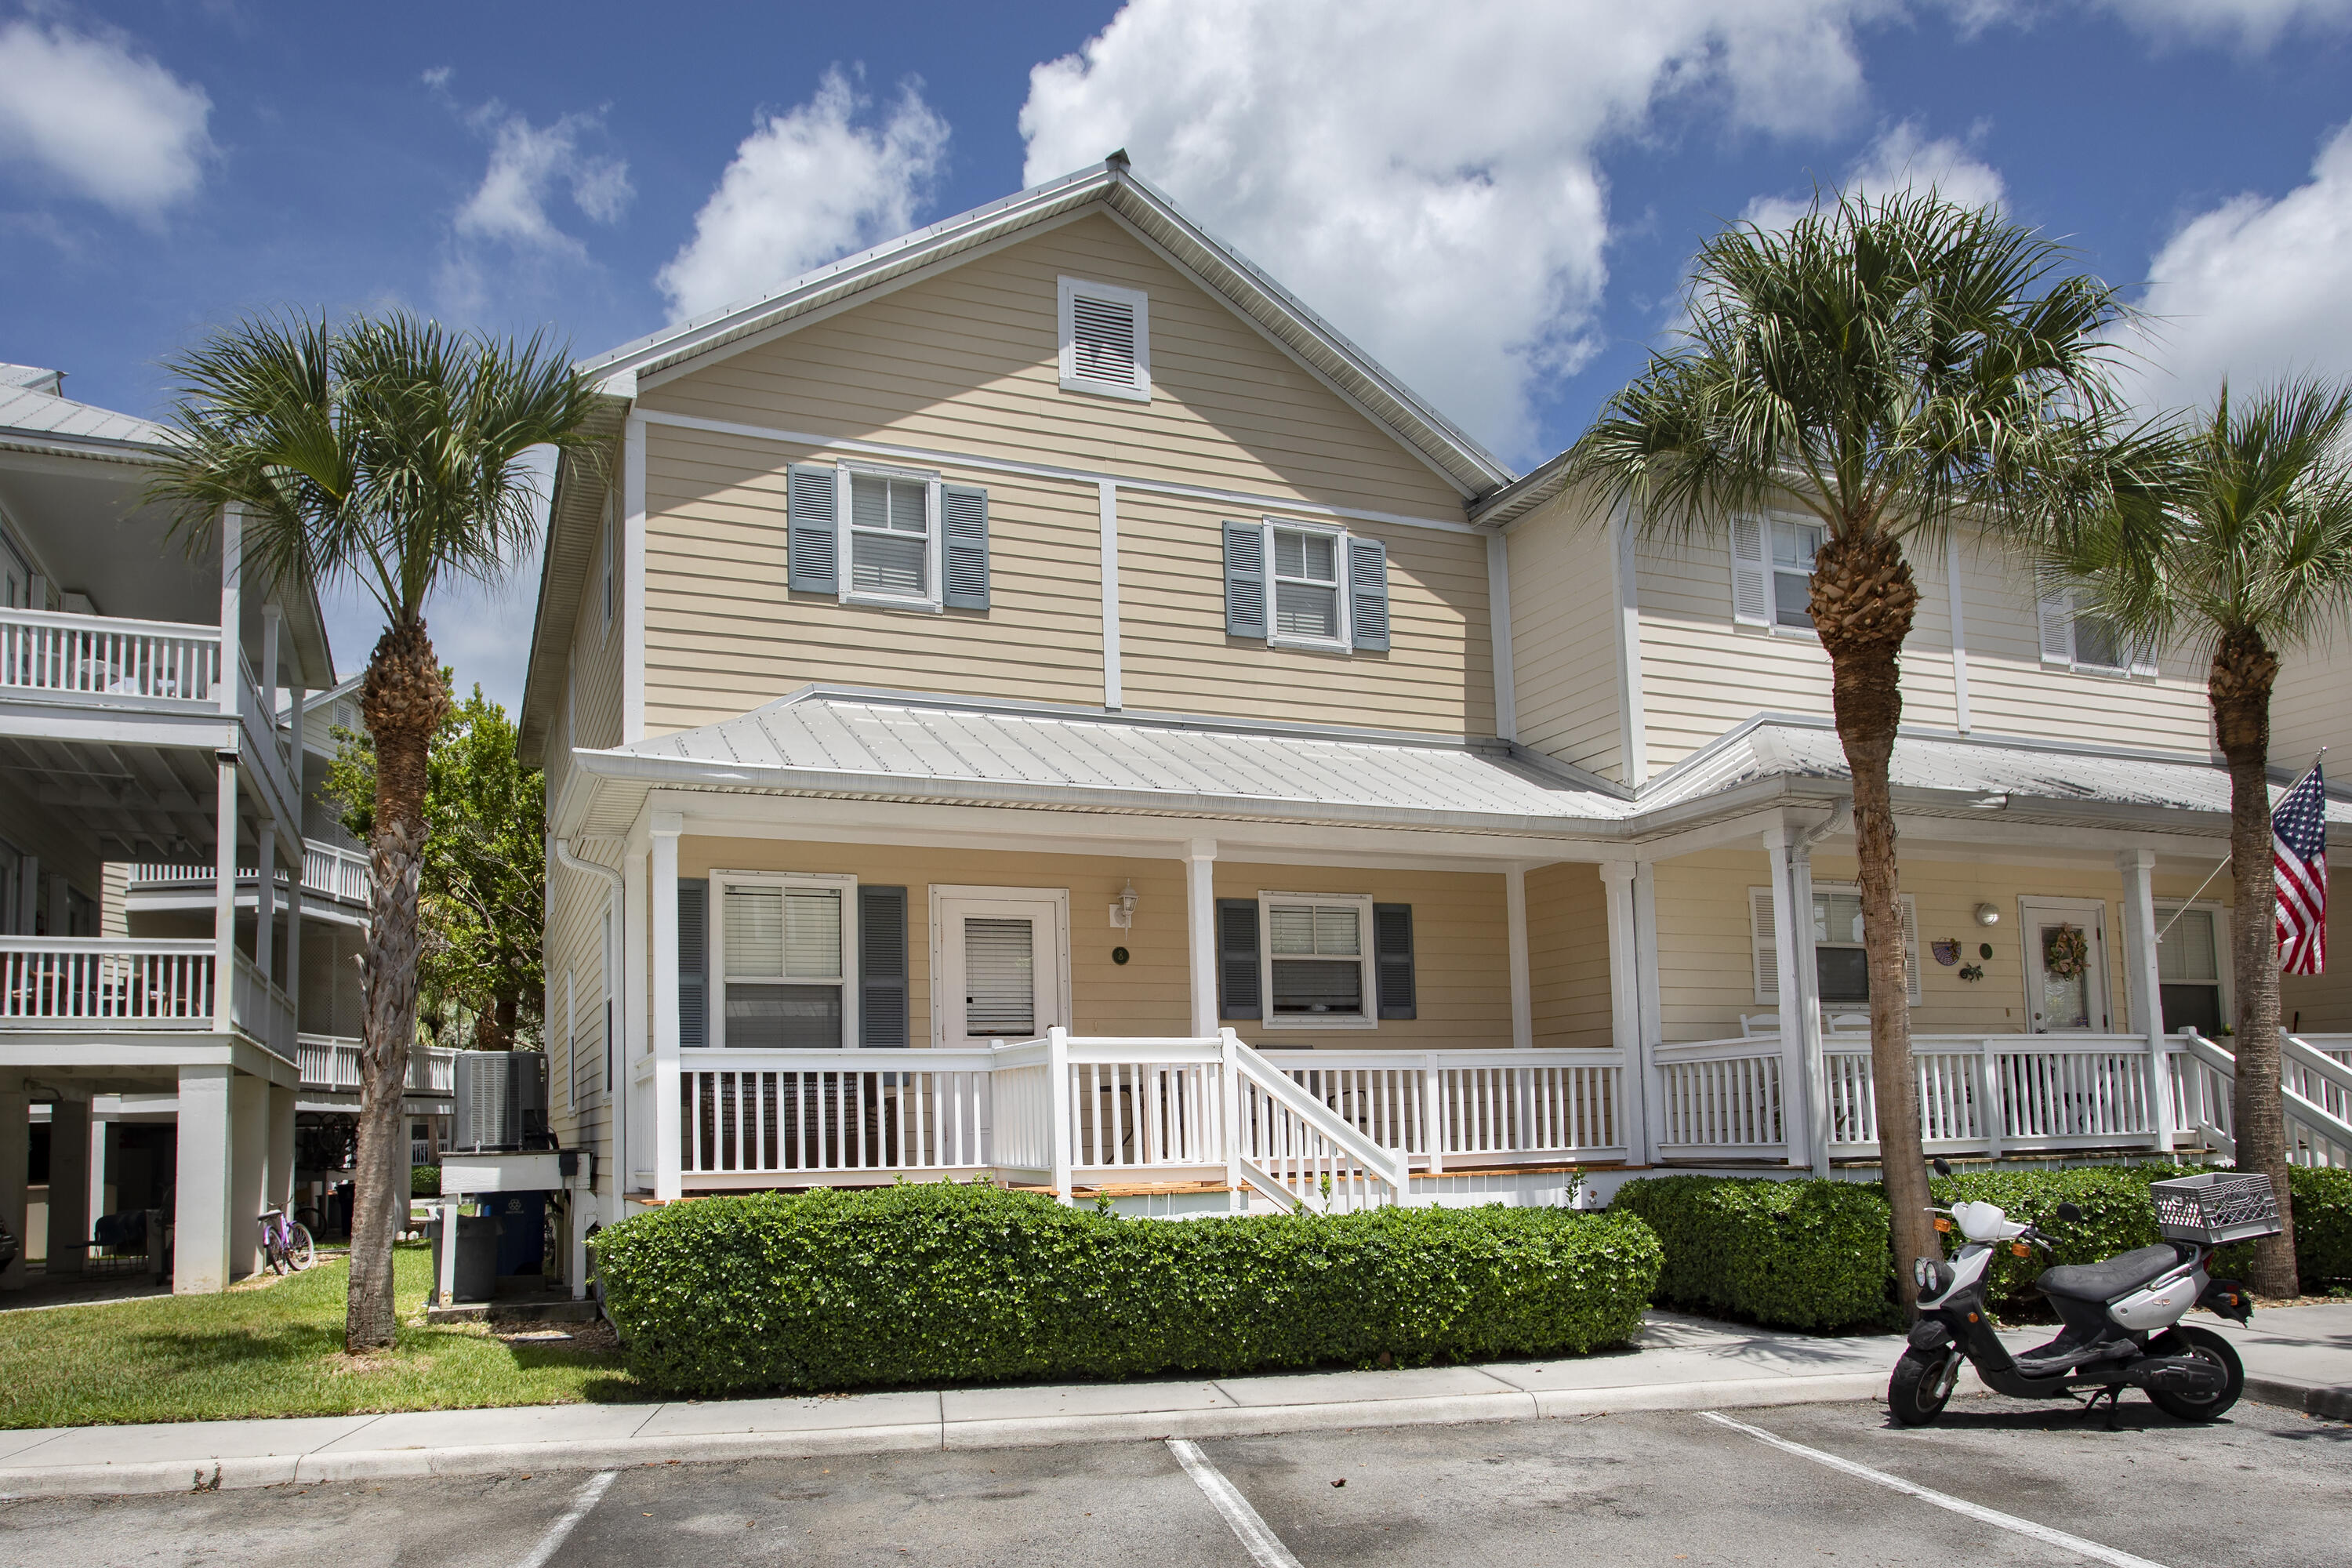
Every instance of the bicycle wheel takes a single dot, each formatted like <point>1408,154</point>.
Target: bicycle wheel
<point>272,1253</point>
<point>298,1248</point>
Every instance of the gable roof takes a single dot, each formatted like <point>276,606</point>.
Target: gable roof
<point>33,417</point>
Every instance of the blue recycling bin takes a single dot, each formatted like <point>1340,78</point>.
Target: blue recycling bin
<point>522,1230</point>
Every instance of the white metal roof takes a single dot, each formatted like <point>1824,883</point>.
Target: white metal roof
<point>31,416</point>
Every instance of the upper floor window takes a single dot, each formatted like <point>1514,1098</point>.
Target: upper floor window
<point>2087,643</point>
<point>1772,570</point>
<point>889,537</point>
<point>1105,332</point>
<point>1298,585</point>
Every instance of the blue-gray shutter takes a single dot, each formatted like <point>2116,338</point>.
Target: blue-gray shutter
<point>811,505</point>
<point>693,962</point>
<point>1393,960</point>
<point>1237,987</point>
<point>963,521</point>
<point>1368,594</point>
<point>1246,581</point>
<point>881,966</point>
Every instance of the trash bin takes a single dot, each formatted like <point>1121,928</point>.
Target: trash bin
<point>524,1215</point>
<point>476,1277</point>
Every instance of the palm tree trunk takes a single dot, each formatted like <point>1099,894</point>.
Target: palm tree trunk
<point>2244,670</point>
<point>1864,600</point>
<point>402,701</point>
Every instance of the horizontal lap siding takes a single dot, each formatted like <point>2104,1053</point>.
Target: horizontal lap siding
<point>575,946</point>
<point>2312,706</point>
<point>1564,619</point>
<point>723,635</point>
<point>968,361</point>
<point>1436,675</point>
<point>1568,955</point>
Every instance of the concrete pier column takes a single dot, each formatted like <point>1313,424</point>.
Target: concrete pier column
<point>15,1169</point>
<point>200,1211</point>
<point>277,1190</point>
<point>249,1166</point>
<point>70,1215</point>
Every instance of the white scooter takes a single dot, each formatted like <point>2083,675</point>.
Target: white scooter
<point>2121,1318</point>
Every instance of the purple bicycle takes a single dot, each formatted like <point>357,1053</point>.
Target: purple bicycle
<point>285,1244</point>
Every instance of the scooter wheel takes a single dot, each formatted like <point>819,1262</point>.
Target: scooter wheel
<point>2186,1339</point>
<point>1922,1385</point>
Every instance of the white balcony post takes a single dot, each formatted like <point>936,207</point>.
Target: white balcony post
<point>1995,1110</point>
<point>1523,1005</point>
<point>1057,1081</point>
<point>224,900</point>
<point>1201,921</point>
<point>1625,1011</point>
<point>272,626</point>
<point>1648,1004</point>
<point>1801,1021</point>
<point>1229,1087</point>
<point>669,1143</point>
<point>2144,983</point>
<point>292,982</point>
<point>232,605</point>
<point>265,898</point>
<point>640,1138</point>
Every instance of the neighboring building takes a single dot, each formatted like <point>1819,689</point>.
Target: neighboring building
<point>1053,566</point>
<point>162,1033</point>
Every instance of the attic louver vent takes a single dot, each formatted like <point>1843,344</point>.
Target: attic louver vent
<point>1106,339</point>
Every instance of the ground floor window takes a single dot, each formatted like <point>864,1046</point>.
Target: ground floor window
<point>2189,969</point>
<point>780,942</point>
<point>1841,968</point>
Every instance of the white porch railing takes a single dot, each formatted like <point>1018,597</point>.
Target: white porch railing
<point>2316,1073</point>
<point>1721,1099</point>
<point>96,983</point>
<point>262,1010</point>
<point>1477,1106</point>
<point>328,870</point>
<point>84,657</point>
<point>332,1062</point>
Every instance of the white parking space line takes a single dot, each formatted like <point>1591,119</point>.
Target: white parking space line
<point>2010,1522</point>
<point>586,1498</point>
<point>1264,1547</point>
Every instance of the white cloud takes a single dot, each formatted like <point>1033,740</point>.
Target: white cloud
<point>2252,24</point>
<point>528,165</point>
<point>1430,185</point>
<point>104,121</point>
<point>2254,290</point>
<point>1902,159</point>
<point>806,186</point>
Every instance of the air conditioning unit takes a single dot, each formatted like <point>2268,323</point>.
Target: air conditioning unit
<point>501,1102</point>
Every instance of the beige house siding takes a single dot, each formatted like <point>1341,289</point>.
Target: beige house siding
<point>1565,626</point>
<point>578,1106</point>
<point>2311,707</point>
<point>968,361</point>
<point>1568,955</point>
<point>1707,975</point>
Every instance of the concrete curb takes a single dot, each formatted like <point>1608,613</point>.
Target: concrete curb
<point>403,1464</point>
<point>2310,1398</point>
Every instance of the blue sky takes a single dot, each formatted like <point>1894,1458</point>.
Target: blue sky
<point>1497,199</point>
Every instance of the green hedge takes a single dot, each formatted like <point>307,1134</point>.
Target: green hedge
<point>424,1181</point>
<point>1812,1254</point>
<point>949,1284</point>
<point>1803,1254</point>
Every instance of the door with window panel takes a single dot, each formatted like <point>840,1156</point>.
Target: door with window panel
<point>785,982</point>
<point>1001,970</point>
<point>2065,965</point>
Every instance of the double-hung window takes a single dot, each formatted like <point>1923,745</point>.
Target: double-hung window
<point>2188,968</point>
<point>1299,586</point>
<point>783,944</point>
<point>1318,959</point>
<point>1307,599</point>
<point>891,542</point>
<point>1772,571</point>
<point>1841,970</point>
<point>2087,643</point>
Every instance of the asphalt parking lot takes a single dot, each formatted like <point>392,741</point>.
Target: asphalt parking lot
<point>2011,1483</point>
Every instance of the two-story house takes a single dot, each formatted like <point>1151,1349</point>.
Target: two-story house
<point>1033,699</point>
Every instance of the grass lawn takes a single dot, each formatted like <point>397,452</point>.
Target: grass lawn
<point>275,1350</point>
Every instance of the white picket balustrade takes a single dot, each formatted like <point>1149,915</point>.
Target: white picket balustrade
<point>332,1062</point>
<point>103,657</point>
<point>262,1010</point>
<point>1721,1099</point>
<point>795,1112</point>
<point>1487,1107</point>
<point>328,870</point>
<point>1297,1150</point>
<point>1138,1104</point>
<point>102,983</point>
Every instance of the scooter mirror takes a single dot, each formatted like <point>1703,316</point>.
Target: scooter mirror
<point>2069,1213</point>
<point>1942,1166</point>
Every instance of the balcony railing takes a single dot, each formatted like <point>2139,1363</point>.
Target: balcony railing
<point>332,1062</point>
<point>101,657</point>
<point>147,983</point>
<point>328,870</point>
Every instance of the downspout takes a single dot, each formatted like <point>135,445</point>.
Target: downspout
<point>617,1099</point>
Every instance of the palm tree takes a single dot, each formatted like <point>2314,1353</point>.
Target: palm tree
<point>1889,367</point>
<point>2243,552</point>
<point>388,452</point>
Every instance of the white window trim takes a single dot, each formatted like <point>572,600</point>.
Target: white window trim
<point>930,602</point>
<point>2223,969</point>
<point>715,947</point>
<point>2140,663</point>
<point>1768,986</point>
<point>1772,573</point>
<point>1346,641</point>
<point>1066,291</point>
<point>1362,904</point>
<point>942,893</point>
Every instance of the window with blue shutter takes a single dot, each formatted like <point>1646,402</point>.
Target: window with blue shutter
<point>1237,975</point>
<point>1245,581</point>
<point>881,967</point>
<point>1393,960</point>
<point>811,505</point>
<point>1368,595</point>
<point>693,962</point>
<point>964,522</point>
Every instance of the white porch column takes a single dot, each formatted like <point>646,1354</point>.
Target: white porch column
<point>272,626</point>
<point>232,605</point>
<point>2143,982</point>
<point>1523,999</point>
<point>69,1216</point>
<point>668,1145</point>
<point>634,1103</point>
<point>292,983</point>
<point>16,1167</point>
<point>265,896</point>
<point>224,898</point>
<point>200,1216</point>
<point>97,1167</point>
<point>1804,1070</point>
<point>248,1169</point>
<point>1201,921</point>
<point>1625,959</point>
<point>1649,1007</point>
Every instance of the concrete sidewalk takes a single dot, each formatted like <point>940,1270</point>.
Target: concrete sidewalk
<point>1680,1364</point>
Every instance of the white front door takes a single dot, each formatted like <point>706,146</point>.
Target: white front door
<point>1000,956</point>
<point>2065,965</point>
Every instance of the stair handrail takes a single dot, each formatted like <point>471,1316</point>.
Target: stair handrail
<point>1388,1165</point>
<point>2316,1118</point>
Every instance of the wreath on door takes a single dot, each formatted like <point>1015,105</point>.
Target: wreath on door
<point>2065,953</point>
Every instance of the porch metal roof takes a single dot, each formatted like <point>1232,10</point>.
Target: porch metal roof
<point>30,416</point>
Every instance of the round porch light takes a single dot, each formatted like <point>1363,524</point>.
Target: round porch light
<point>1987,915</point>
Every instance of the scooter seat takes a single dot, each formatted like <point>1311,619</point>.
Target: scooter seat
<point>2106,1281</point>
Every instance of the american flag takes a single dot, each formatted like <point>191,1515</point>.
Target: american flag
<point>2299,856</point>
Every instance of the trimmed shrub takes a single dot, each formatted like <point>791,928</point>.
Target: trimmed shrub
<point>1803,1254</point>
<point>2322,1227</point>
<point>952,1284</point>
<point>424,1181</point>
